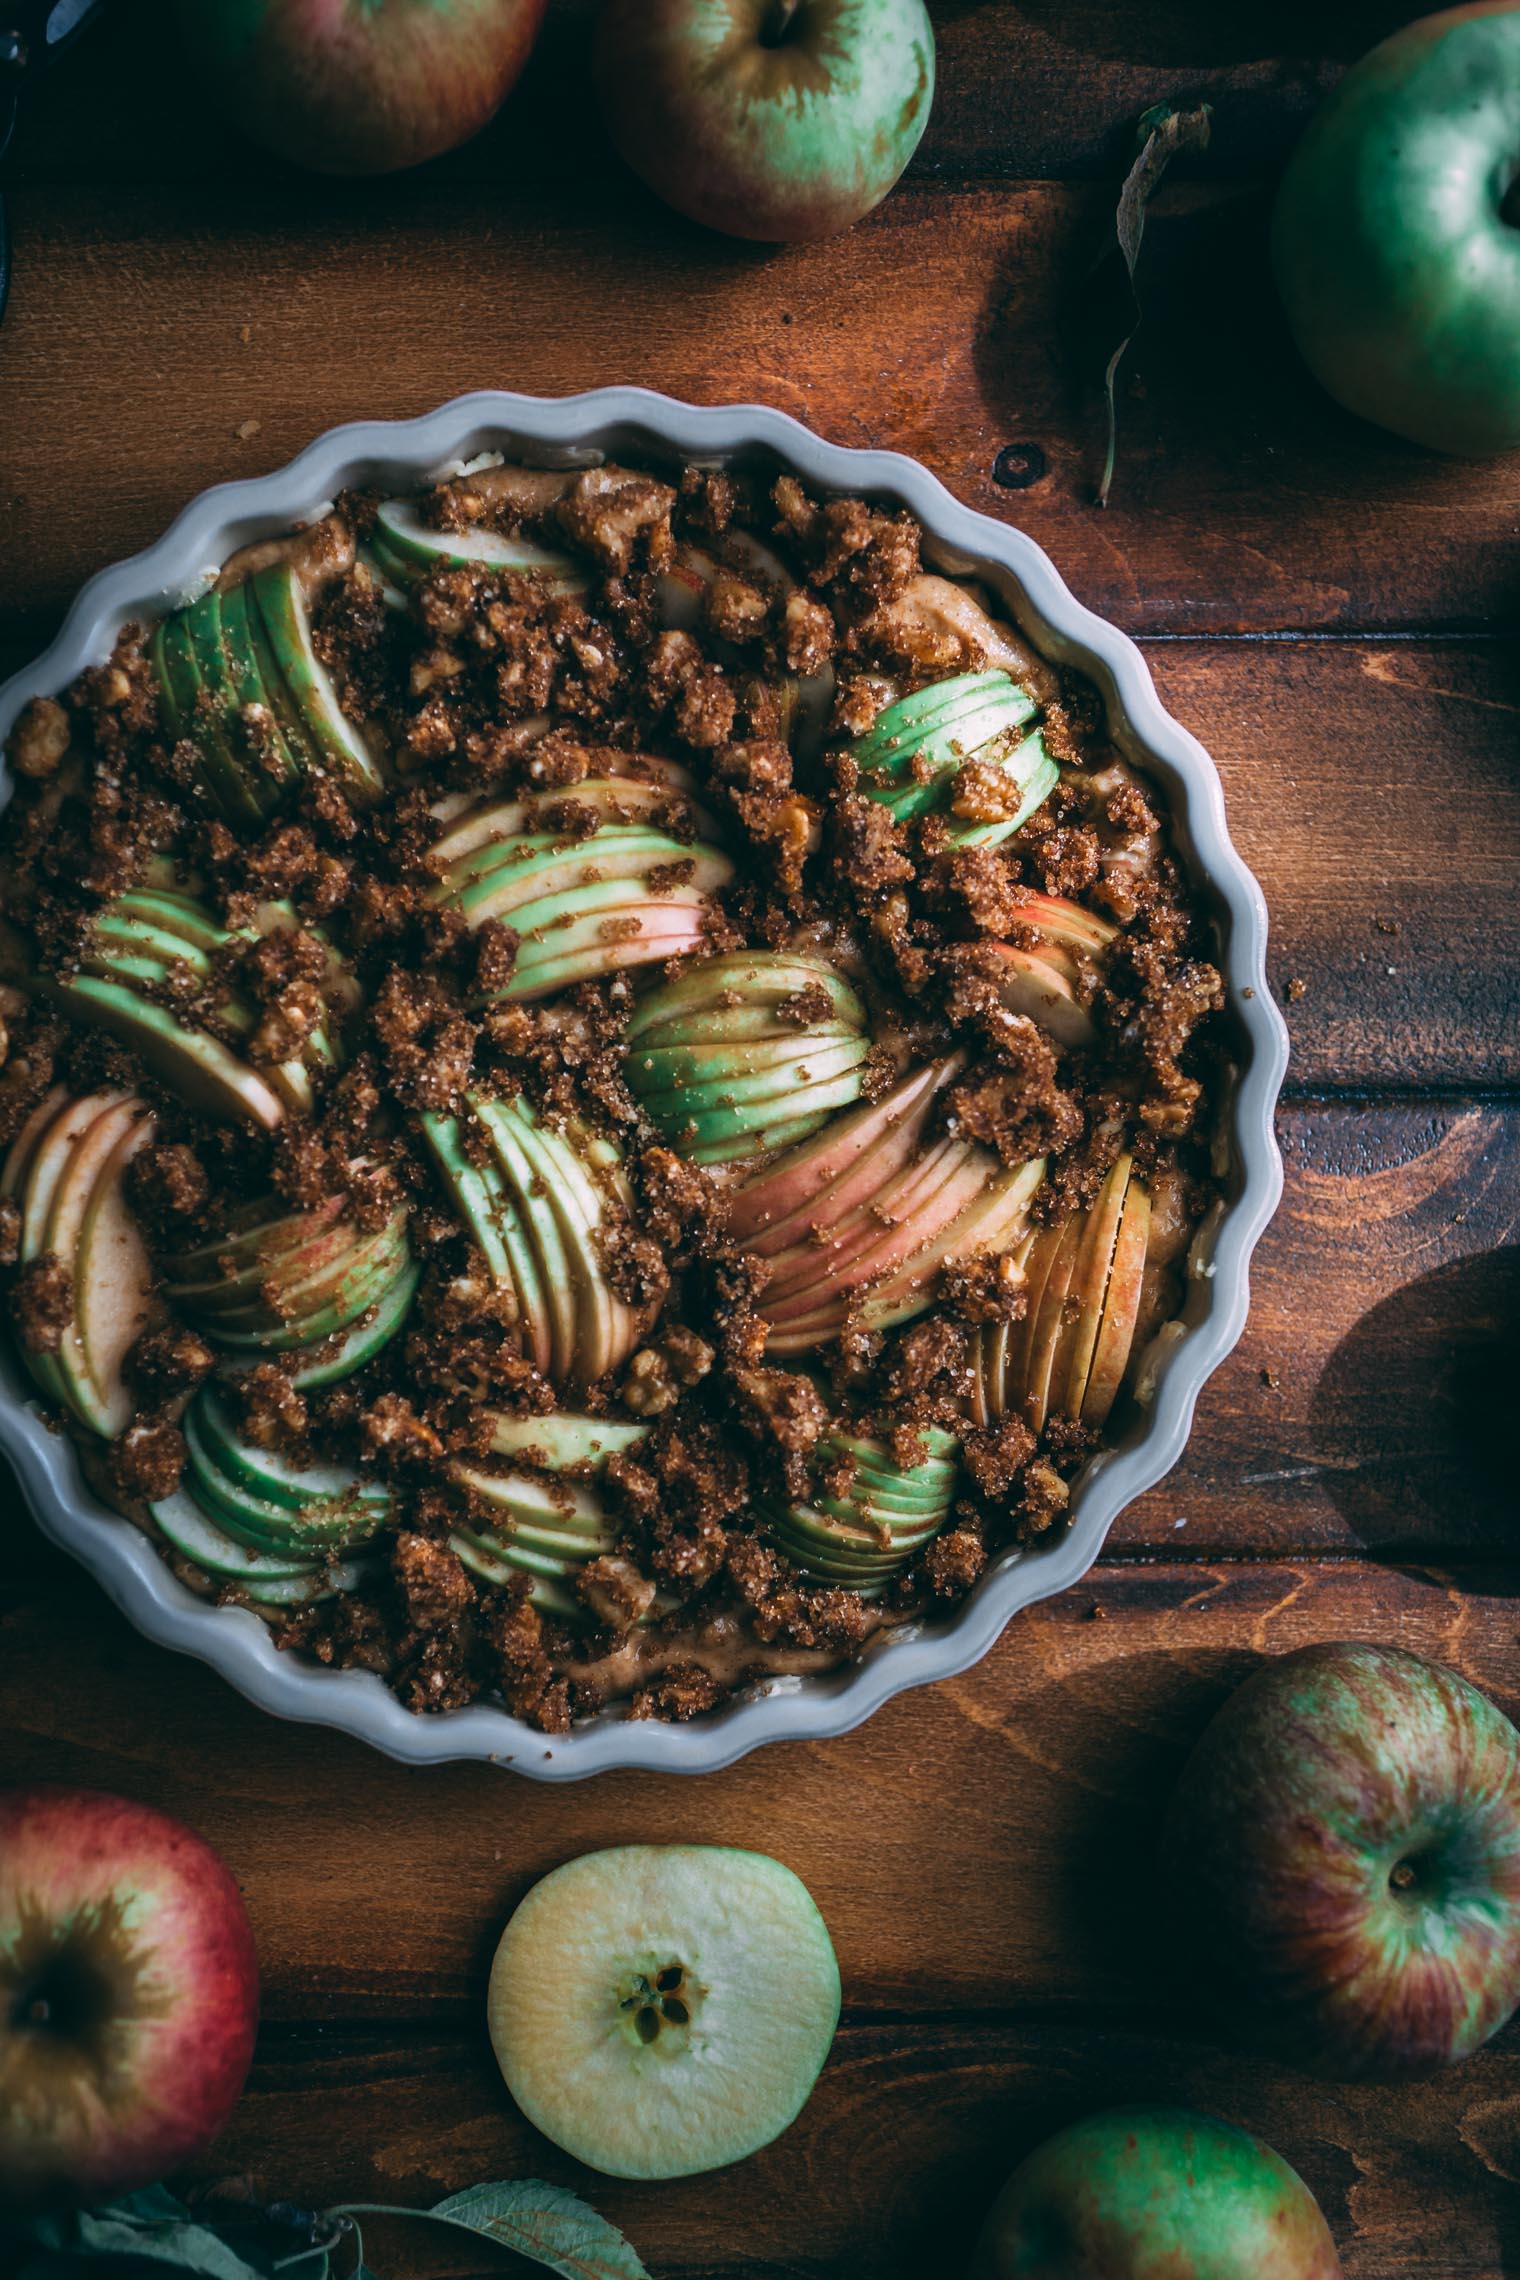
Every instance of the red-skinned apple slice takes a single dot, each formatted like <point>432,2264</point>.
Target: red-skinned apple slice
<point>925,1193</point>
<point>847,1162</point>
<point>1121,1308</point>
<point>993,1223</point>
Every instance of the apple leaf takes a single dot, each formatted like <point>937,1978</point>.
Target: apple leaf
<point>547,2225</point>
<point>1163,132</point>
<point>192,2247</point>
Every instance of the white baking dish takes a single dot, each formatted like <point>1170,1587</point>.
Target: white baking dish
<point>611,423</point>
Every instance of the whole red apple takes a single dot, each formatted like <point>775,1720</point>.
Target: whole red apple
<point>1150,2193</point>
<point>773,119</point>
<point>128,1994</point>
<point>1344,1852</point>
<point>361,86</point>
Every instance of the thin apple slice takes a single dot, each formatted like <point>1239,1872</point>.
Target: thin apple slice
<point>993,1222</point>
<point>416,550</point>
<point>1029,982</point>
<point>847,1162</point>
<point>562,1440</point>
<point>276,594</point>
<point>363,1339</point>
<point>1070,924</point>
<point>192,715</point>
<point>184,1526</point>
<point>1121,1308</point>
<point>1090,1285</point>
<point>540,1202</point>
<point>279,762</point>
<point>1052,1322</point>
<point>91,1227</point>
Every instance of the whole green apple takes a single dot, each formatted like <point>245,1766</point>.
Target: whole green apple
<point>1396,240</point>
<point>772,119</point>
<point>361,86</point>
<point>1152,2193</point>
<point>1344,1859</point>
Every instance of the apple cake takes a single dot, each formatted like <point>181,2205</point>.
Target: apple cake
<point>605,1079</point>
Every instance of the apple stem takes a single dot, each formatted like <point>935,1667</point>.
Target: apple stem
<point>1402,1877</point>
<point>778,22</point>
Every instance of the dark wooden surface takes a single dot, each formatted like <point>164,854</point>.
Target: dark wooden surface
<point>1334,614</point>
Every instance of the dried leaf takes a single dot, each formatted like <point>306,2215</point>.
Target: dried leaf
<point>1162,132</point>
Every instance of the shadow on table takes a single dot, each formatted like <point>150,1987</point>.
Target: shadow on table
<point>1441,1355</point>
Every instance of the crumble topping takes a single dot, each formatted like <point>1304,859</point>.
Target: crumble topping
<point>700,678</point>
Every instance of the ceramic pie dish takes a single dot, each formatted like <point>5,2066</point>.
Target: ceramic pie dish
<point>581,430</point>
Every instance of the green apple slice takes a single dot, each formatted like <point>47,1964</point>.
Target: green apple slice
<point>364,1339</point>
<point>658,2011</point>
<point>258,790</point>
<point>900,731</point>
<point>563,1440</point>
<point>276,594</point>
<point>412,550</point>
<point>91,1227</point>
<point>182,1523</point>
<point>250,688</point>
<point>865,1535</point>
<point>193,715</point>
<point>548,1595</point>
<point>265,1501</point>
<point>539,1201</point>
<point>198,1067</point>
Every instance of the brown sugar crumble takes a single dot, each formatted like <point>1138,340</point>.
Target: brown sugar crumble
<point>480,1331</point>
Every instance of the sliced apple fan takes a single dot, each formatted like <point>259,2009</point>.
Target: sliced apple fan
<point>912,756</point>
<point>239,679</point>
<point>1070,1352</point>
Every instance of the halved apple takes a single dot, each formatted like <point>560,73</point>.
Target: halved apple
<point>407,549</point>
<point>539,1208</point>
<point>141,945</point>
<point>1069,1354</point>
<point>860,1539</point>
<point>721,1073</point>
<point>275,593</point>
<point>66,1171</point>
<point>861,1220</point>
<point>913,752</point>
<point>278,1280</point>
<point>625,897</point>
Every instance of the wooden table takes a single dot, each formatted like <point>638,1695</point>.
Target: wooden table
<point>1333,613</point>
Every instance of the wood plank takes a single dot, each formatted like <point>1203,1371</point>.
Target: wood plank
<point>1004,1809</point>
<point>1367,1406</point>
<point>894,2161</point>
<point>1039,88</point>
<point>1373,790</point>
<point>951,323</point>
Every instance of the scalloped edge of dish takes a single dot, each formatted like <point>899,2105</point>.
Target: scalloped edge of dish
<point>585,429</point>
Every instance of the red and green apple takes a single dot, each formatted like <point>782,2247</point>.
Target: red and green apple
<point>1152,2193</point>
<point>1344,1854</point>
<point>770,119</point>
<point>128,1994</point>
<point>361,86</point>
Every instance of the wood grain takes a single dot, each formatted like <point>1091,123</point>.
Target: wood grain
<point>952,322</point>
<point>985,1843</point>
<point>892,2165</point>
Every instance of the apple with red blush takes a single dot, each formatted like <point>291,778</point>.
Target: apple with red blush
<point>128,1995</point>
<point>361,86</point>
<point>1344,1863</point>
<point>768,119</point>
